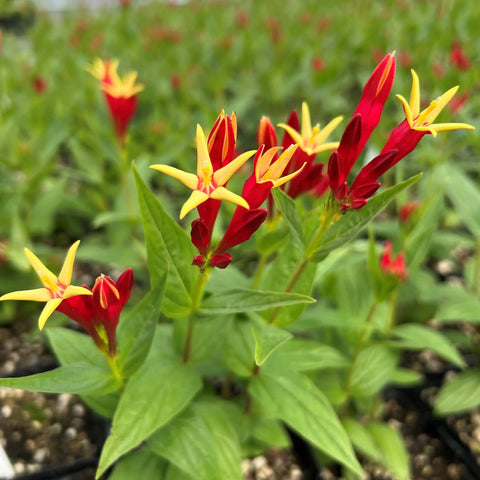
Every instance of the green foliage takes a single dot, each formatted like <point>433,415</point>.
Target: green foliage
<point>304,328</point>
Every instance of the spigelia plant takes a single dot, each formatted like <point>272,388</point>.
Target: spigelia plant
<point>229,350</point>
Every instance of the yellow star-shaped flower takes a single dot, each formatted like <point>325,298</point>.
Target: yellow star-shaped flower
<point>55,289</point>
<point>266,171</point>
<point>112,83</point>
<point>311,140</point>
<point>423,120</point>
<point>206,183</point>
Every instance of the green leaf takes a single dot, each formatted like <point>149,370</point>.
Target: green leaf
<point>460,394</point>
<point>390,443</point>
<point>349,225</point>
<point>289,212</point>
<point>419,337</point>
<point>267,339</point>
<point>406,378</point>
<point>277,277</point>
<point>169,251</point>
<point>465,196</point>
<point>458,305</point>
<point>74,347</point>
<point>244,300</point>
<point>78,378</point>
<point>136,331</point>
<point>157,392</point>
<point>104,405</point>
<point>362,440</point>
<point>208,338</point>
<point>239,348</point>
<point>202,442</point>
<point>294,399</point>
<point>150,464</point>
<point>269,432</point>
<point>373,368</point>
<point>307,355</point>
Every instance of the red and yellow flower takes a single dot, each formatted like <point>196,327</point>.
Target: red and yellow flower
<point>55,289</point>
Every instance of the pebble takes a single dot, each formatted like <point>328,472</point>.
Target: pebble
<point>6,411</point>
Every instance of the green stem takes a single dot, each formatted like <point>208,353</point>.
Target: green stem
<point>197,295</point>
<point>391,311</point>
<point>358,349</point>
<point>258,274</point>
<point>112,363</point>
<point>328,216</point>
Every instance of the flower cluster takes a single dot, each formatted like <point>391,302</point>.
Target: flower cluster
<point>97,310</point>
<point>120,94</point>
<point>216,162</point>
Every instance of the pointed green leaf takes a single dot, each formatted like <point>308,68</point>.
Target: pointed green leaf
<point>202,442</point>
<point>419,337</point>
<point>277,277</point>
<point>372,369</point>
<point>460,394</point>
<point>390,443</point>
<point>289,212</point>
<point>169,251</point>
<point>362,440</point>
<point>78,378</point>
<point>307,355</point>
<point>244,300</point>
<point>267,339</point>
<point>294,399</point>
<point>349,225</point>
<point>157,392</point>
<point>136,330</point>
<point>239,348</point>
<point>73,347</point>
<point>465,196</point>
<point>150,464</point>
<point>457,305</point>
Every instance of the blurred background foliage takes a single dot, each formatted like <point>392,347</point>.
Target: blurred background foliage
<point>62,177</point>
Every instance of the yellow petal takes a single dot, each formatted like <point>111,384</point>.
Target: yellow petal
<point>281,181</point>
<point>221,193</point>
<point>34,295</point>
<point>222,175</point>
<point>406,109</point>
<point>48,278</point>
<point>328,129</point>
<point>306,122</point>
<point>49,308</point>
<point>415,95</point>
<point>188,179</point>
<point>204,163</point>
<point>279,166</point>
<point>325,146</point>
<point>297,138</point>
<point>438,105</point>
<point>264,162</point>
<point>73,291</point>
<point>196,198</point>
<point>65,275</point>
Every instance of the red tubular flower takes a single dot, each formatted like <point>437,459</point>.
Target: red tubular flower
<point>407,209</point>
<point>266,134</point>
<point>393,266</point>
<point>99,313</point>
<point>363,122</point>
<point>221,148</point>
<point>267,175</point>
<point>458,58</point>
<point>120,93</point>
<point>311,140</point>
